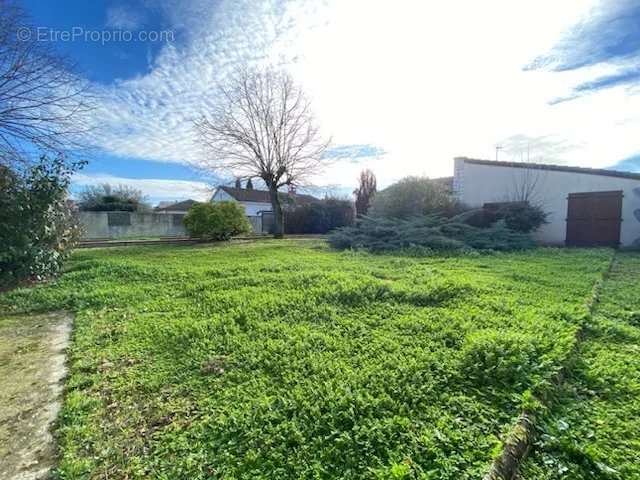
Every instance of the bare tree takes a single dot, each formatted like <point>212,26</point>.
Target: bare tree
<point>364,193</point>
<point>262,127</point>
<point>526,184</point>
<point>42,103</point>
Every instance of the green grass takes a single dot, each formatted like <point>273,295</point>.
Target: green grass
<point>288,360</point>
<point>592,430</point>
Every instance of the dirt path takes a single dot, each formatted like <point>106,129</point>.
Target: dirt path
<point>32,366</point>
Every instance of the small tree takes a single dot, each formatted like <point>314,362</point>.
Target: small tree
<point>413,196</point>
<point>249,185</point>
<point>262,126</point>
<point>216,221</point>
<point>106,198</point>
<point>238,183</point>
<point>365,192</point>
<point>526,185</point>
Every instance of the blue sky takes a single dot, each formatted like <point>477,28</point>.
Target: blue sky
<point>402,87</point>
<point>102,61</point>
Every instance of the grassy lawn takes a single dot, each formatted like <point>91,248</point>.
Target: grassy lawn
<point>594,429</point>
<point>288,360</point>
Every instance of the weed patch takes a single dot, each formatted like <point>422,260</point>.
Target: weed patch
<point>290,360</point>
<point>592,429</point>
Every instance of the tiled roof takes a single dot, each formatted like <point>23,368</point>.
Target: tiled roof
<point>183,206</point>
<point>262,196</point>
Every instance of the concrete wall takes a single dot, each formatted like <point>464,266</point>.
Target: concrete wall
<point>475,184</point>
<point>252,209</point>
<point>99,225</point>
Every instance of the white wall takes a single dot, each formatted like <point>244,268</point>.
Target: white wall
<point>475,184</point>
<point>252,209</point>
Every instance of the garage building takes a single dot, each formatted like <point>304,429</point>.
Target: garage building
<point>586,207</point>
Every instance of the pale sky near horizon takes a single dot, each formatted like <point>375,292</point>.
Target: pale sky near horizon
<point>402,86</point>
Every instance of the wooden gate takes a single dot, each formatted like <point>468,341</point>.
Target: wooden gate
<point>594,218</point>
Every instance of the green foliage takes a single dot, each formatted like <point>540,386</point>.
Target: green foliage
<point>289,360</point>
<point>523,217</point>
<point>518,216</point>
<point>413,196</point>
<point>319,217</point>
<point>428,232</point>
<point>37,227</point>
<point>106,198</point>
<point>216,220</point>
<point>510,359</point>
<point>592,430</point>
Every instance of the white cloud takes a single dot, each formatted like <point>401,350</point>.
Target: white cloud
<point>424,81</point>
<point>123,18</point>
<point>155,189</point>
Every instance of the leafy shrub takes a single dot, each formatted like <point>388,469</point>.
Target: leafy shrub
<point>431,232</point>
<point>37,226</point>
<point>105,198</point>
<point>518,216</point>
<point>523,217</point>
<point>216,220</point>
<point>413,196</point>
<point>319,217</point>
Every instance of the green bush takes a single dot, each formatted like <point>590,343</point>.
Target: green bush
<point>37,226</point>
<point>518,216</point>
<point>319,217</point>
<point>414,196</point>
<point>523,217</point>
<point>216,220</point>
<point>430,232</point>
<point>106,198</point>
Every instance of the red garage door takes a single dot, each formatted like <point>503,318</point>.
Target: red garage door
<point>593,219</point>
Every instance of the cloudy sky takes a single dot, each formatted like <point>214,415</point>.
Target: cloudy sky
<point>401,86</point>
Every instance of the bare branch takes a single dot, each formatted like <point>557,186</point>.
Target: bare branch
<point>262,127</point>
<point>42,103</point>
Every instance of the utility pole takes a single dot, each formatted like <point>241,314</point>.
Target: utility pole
<point>498,148</point>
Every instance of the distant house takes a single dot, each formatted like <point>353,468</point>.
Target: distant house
<point>257,203</point>
<point>177,207</point>
<point>585,206</point>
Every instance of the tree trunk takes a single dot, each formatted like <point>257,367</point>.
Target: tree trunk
<point>278,215</point>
